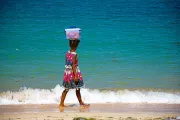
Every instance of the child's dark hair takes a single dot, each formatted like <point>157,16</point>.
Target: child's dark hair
<point>73,43</point>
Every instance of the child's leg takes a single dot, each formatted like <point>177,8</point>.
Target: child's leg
<point>63,97</point>
<point>78,94</point>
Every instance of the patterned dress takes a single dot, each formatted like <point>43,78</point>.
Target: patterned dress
<point>68,80</point>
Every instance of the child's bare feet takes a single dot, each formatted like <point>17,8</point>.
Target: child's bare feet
<point>84,105</point>
<point>62,106</point>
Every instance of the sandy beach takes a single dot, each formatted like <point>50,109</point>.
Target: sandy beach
<point>95,111</point>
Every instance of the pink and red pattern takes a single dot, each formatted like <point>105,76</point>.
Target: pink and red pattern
<point>68,79</point>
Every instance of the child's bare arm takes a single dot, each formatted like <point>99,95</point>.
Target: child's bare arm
<point>74,67</point>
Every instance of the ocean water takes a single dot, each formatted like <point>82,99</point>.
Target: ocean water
<point>129,50</point>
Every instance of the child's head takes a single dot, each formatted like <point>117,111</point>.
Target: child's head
<point>73,44</point>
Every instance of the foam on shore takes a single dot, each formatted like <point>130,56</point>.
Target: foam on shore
<point>52,96</point>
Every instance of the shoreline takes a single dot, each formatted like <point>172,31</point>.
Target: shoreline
<point>110,111</point>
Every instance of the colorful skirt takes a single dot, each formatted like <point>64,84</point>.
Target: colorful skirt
<point>68,80</point>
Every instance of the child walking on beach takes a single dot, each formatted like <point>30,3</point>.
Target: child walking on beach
<point>72,75</point>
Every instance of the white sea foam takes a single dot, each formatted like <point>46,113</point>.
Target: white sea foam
<point>50,96</point>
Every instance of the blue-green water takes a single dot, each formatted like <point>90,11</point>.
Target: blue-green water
<point>125,44</point>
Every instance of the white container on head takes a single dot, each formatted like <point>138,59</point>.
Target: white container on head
<point>73,33</point>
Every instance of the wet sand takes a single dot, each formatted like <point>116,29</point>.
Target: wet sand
<point>115,111</point>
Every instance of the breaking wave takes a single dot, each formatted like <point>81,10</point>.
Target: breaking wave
<point>52,96</point>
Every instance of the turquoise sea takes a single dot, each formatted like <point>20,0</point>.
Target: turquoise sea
<point>128,49</point>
